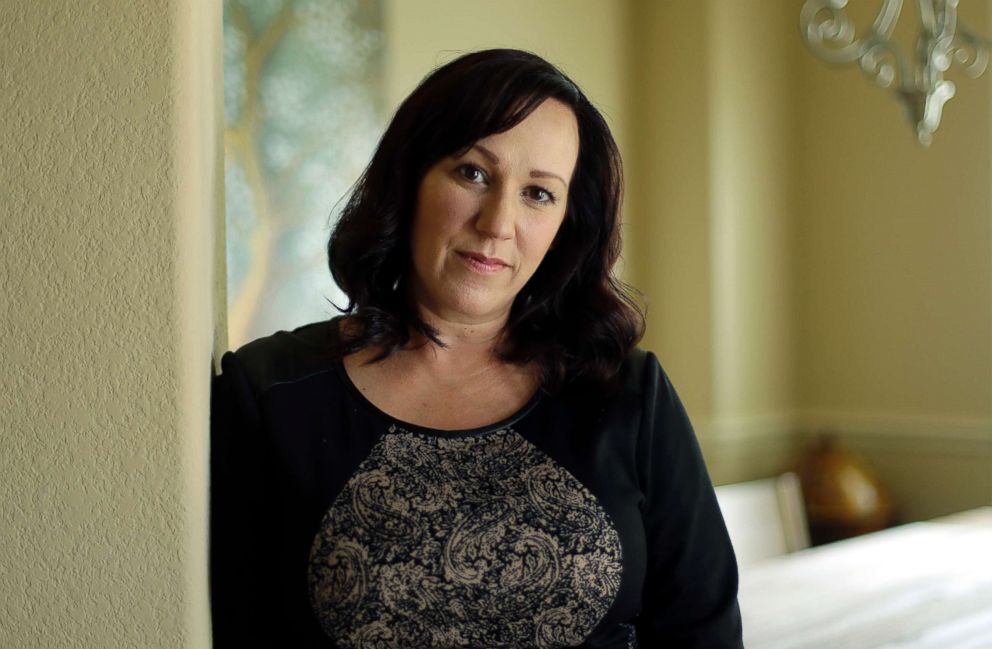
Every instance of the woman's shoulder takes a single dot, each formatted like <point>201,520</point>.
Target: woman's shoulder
<point>638,374</point>
<point>286,356</point>
<point>639,371</point>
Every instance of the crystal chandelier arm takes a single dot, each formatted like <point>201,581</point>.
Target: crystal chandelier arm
<point>885,22</point>
<point>830,34</point>
<point>971,52</point>
<point>936,39</point>
<point>881,62</point>
<point>828,31</point>
<point>927,17</point>
<point>919,80</point>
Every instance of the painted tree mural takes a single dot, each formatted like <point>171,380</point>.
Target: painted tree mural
<point>303,108</point>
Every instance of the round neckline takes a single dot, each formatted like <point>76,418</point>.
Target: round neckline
<point>390,420</point>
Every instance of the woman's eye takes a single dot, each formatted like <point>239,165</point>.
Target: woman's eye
<point>471,173</point>
<point>540,195</point>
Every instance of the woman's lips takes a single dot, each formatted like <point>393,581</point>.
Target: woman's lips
<point>481,263</point>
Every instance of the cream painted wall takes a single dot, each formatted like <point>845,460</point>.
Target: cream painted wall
<point>714,177</point>
<point>896,270</point>
<point>105,258</point>
<point>670,230</point>
<point>894,237</point>
<point>808,266</point>
<point>751,170</point>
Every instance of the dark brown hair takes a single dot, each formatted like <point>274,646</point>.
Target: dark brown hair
<point>573,317</point>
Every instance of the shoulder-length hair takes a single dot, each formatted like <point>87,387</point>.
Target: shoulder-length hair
<point>573,317</point>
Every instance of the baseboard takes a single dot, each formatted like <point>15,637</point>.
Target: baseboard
<point>933,465</point>
<point>738,449</point>
<point>948,436</point>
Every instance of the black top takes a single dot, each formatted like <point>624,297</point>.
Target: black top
<point>582,520</point>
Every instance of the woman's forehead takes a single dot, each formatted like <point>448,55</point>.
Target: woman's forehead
<point>546,140</point>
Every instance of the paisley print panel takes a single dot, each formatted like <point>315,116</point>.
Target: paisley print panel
<point>443,542</point>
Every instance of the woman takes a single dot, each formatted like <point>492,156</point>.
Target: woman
<point>475,455</point>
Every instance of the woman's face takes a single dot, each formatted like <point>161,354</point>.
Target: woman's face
<point>485,219</point>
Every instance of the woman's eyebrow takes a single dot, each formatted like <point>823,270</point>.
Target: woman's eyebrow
<point>493,158</point>
<point>536,173</point>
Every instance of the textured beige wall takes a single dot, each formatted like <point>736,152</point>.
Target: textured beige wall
<point>200,279</point>
<point>103,524</point>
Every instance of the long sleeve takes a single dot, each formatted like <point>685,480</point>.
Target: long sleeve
<point>690,589</point>
<point>237,511</point>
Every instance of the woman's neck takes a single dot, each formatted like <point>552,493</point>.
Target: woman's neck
<point>467,346</point>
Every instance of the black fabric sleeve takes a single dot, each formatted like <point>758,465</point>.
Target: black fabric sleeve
<point>238,518</point>
<point>690,588</point>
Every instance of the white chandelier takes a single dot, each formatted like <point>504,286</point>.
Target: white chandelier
<point>919,82</point>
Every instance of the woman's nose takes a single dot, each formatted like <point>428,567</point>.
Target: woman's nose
<point>497,216</point>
